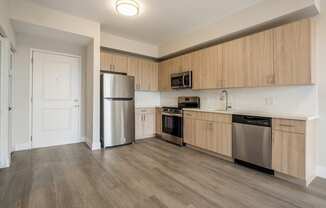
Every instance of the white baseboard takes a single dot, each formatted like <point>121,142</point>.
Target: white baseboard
<point>23,146</point>
<point>96,146</point>
<point>28,146</point>
<point>4,166</point>
<point>321,171</point>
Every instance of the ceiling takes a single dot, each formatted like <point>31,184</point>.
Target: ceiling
<point>160,20</point>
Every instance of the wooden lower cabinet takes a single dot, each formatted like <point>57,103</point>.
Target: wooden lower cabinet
<point>158,118</point>
<point>294,148</point>
<point>189,131</point>
<point>289,153</point>
<point>208,135</point>
<point>145,123</point>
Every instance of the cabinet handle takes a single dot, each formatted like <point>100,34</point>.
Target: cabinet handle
<point>286,125</point>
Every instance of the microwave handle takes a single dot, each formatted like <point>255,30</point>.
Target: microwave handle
<point>183,80</point>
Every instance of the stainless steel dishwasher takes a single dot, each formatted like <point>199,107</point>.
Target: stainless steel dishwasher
<point>252,141</point>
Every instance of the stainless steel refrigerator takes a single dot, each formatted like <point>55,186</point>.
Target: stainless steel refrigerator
<point>117,110</point>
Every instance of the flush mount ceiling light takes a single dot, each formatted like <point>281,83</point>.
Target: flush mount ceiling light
<point>127,7</point>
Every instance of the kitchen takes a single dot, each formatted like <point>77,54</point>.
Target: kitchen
<point>233,120</point>
<point>259,63</point>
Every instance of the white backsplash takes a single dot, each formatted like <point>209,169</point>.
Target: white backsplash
<point>301,100</point>
<point>147,99</point>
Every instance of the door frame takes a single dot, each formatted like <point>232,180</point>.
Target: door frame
<point>31,81</point>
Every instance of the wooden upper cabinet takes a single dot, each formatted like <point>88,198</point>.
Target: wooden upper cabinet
<point>185,62</point>
<point>145,73</point>
<point>149,75</point>
<point>164,78</point>
<point>293,53</point>
<point>207,68</point>
<point>234,63</point>
<point>259,59</point>
<point>134,69</point>
<point>114,62</point>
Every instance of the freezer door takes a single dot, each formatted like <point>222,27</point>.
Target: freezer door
<point>118,122</point>
<point>118,86</point>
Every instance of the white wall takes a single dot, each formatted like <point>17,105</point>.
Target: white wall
<point>21,113</point>
<point>299,100</point>
<point>259,13</point>
<point>119,43</point>
<point>147,99</point>
<point>321,74</point>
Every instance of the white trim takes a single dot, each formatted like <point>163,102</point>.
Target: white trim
<point>54,53</point>
<point>32,50</point>
<point>24,146</point>
<point>72,141</point>
<point>96,146</point>
<point>4,166</point>
<point>321,171</point>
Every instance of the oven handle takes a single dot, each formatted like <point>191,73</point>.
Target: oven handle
<point>169,114</point>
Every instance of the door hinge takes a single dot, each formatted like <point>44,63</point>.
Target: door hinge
<point>31,138</point>
<point>32,60</point>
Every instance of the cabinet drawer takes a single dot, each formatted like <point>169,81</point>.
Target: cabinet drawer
<point>145,110</point>
<point>191,114</point>
<point>216,117</point>
<point>289,125</point>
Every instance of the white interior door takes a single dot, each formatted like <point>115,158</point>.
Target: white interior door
<point>10,101</point>
<point>4,103</point>
<point>56,99</point>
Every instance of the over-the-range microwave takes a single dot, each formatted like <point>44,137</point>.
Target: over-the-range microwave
<point>181,80</point>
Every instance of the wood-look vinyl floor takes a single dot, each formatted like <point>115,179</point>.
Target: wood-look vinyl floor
<point>148,174</point>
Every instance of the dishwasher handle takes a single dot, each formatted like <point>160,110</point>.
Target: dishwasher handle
<point>252,120</point>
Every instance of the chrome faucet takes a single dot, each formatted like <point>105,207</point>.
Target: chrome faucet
<point>225,97</point>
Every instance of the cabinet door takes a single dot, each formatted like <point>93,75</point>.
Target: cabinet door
<point>164,80</point>
<point>293,53</point>
<point>120,63</point>
<point>158,119</point>
<point>149,123</point>
<point>259,59</point>
<point>154,76</point>
<point>185,62</point>
<point>149,75</point>
<point>224,139</point>
<point>211,76</point>
<point>105,65</point>
<point>201,134</point>
<point>196,67</point>
<point>134,70</point>
<point>289,153</point>
<point>211,136</point>
<point>234,65</point>
<point>189,131</point>
<point>139,126</point>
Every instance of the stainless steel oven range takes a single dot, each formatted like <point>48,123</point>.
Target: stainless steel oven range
<point>172,119</point>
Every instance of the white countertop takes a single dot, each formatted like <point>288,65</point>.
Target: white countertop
<point>263,114</point>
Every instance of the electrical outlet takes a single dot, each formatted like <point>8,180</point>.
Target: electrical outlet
<point>269,101</point>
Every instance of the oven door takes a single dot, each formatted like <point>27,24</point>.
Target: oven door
<point>172,125</point>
